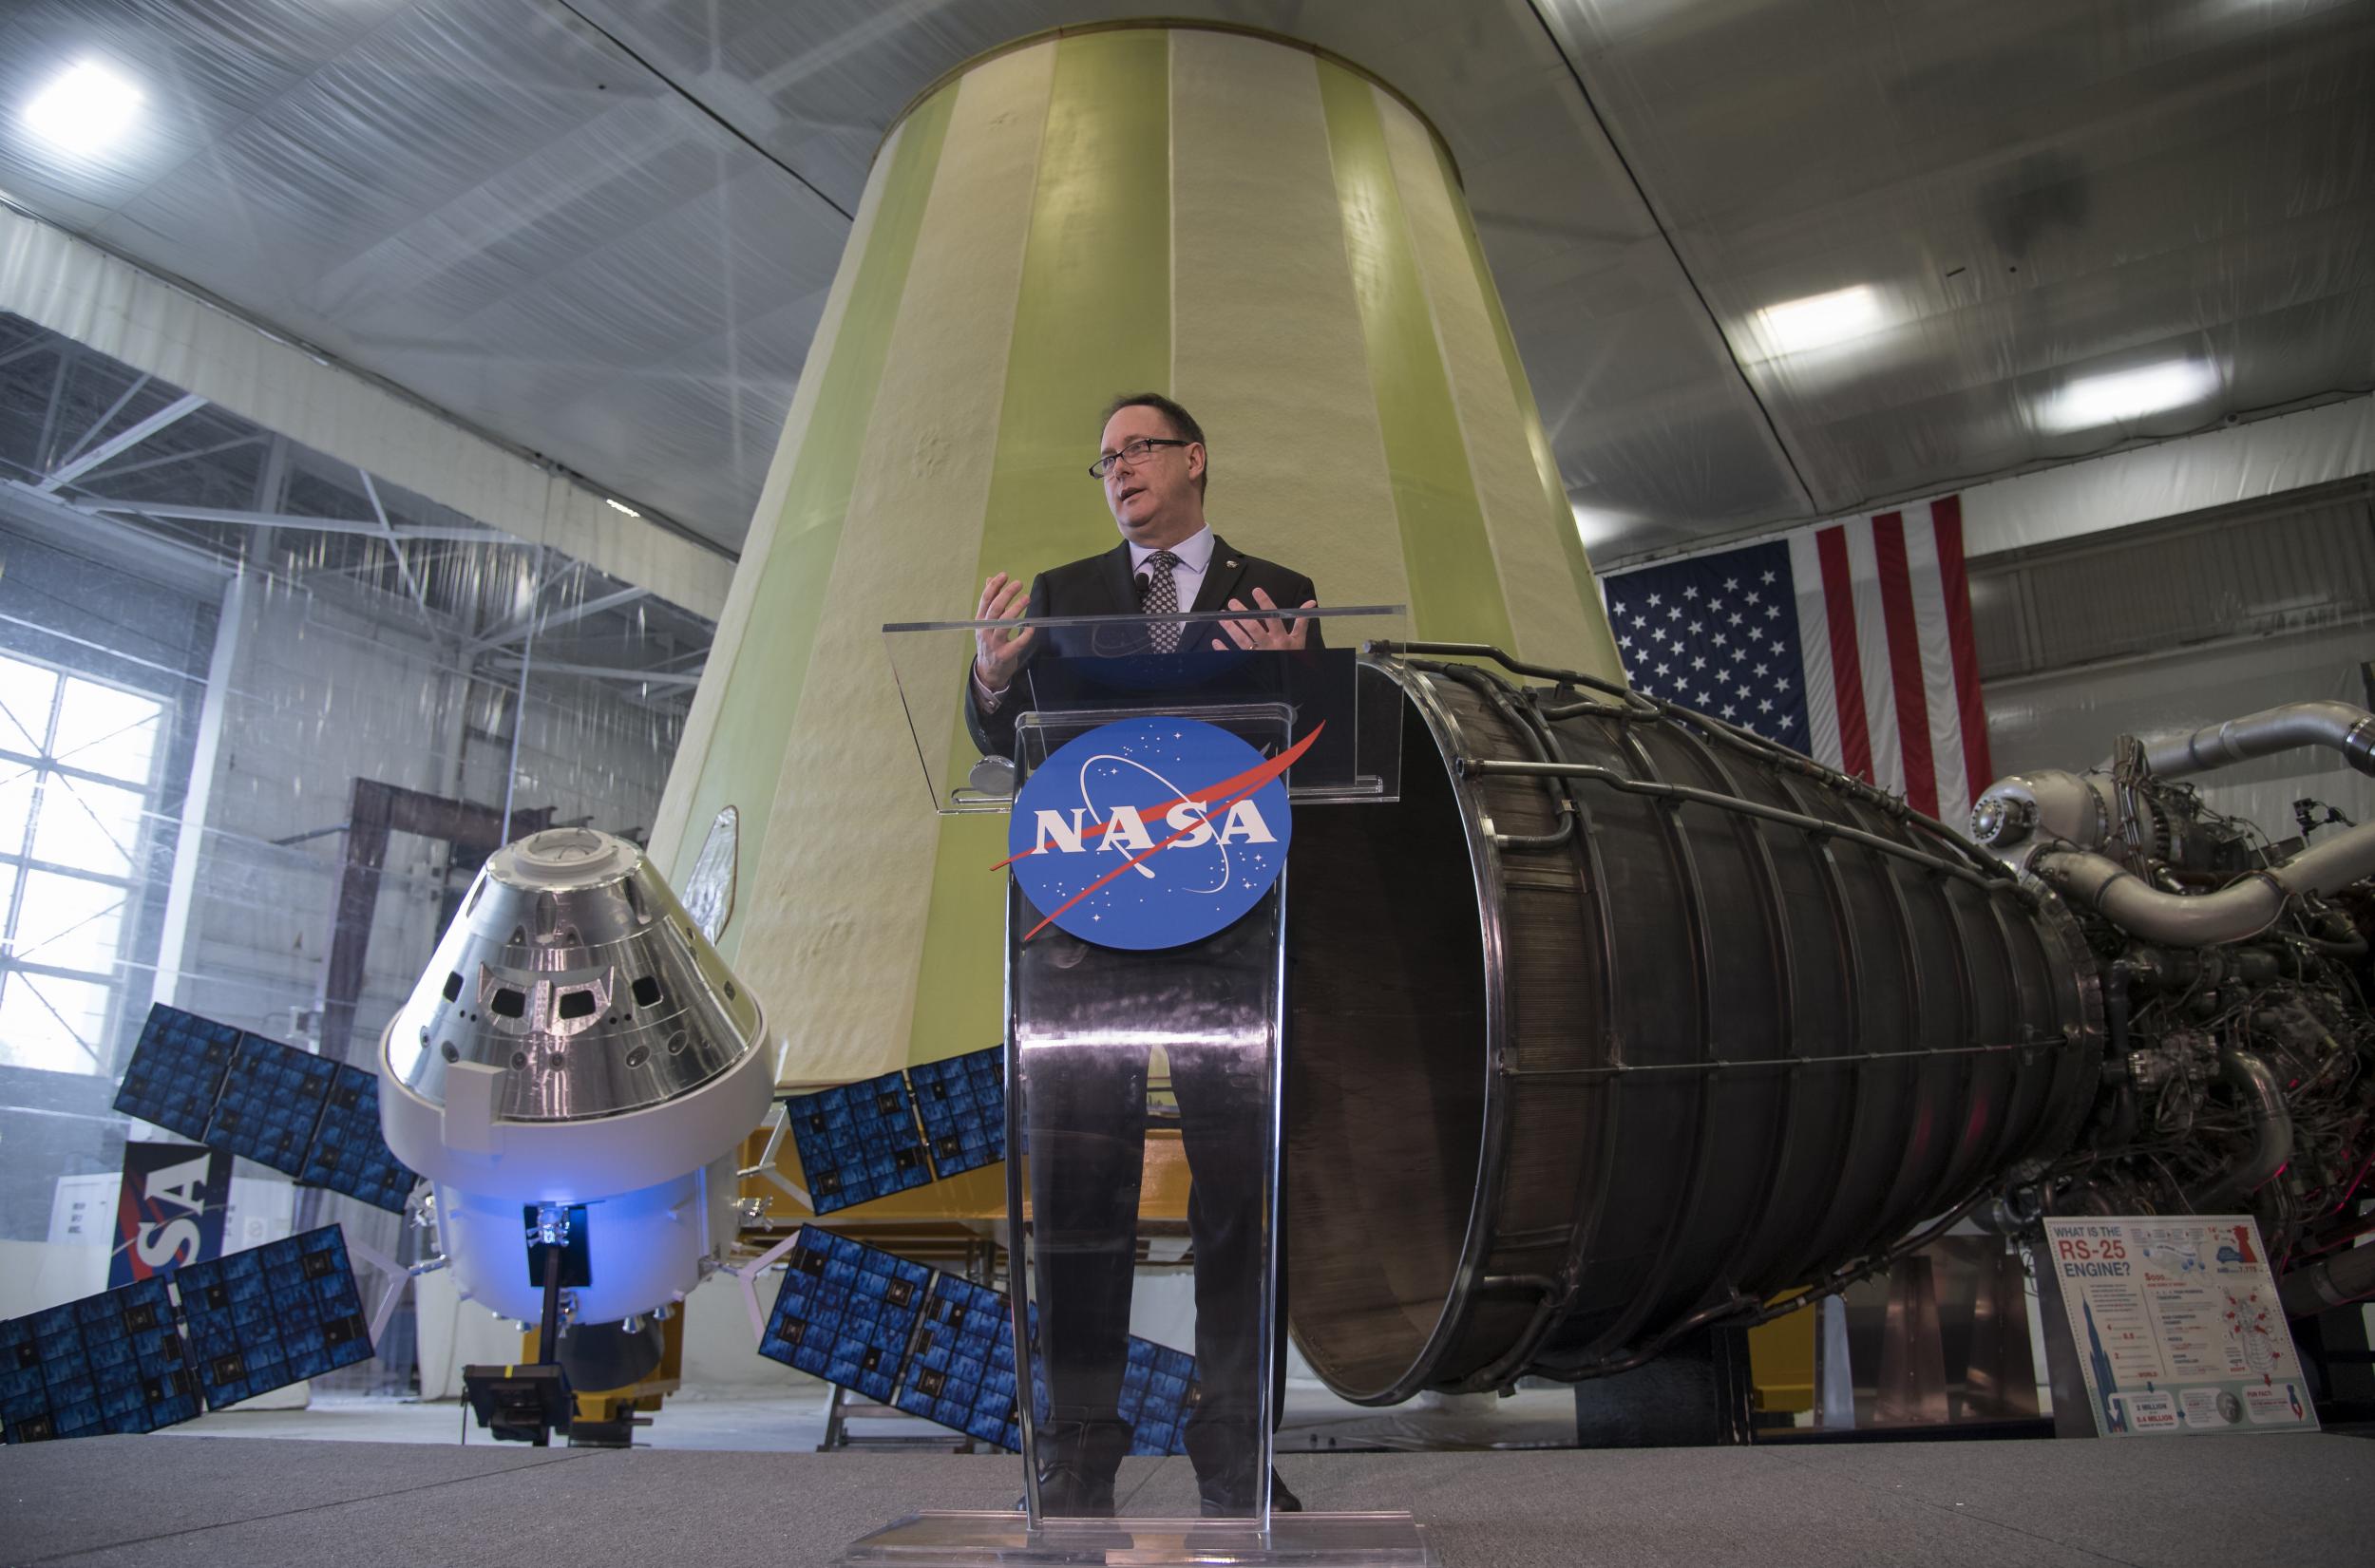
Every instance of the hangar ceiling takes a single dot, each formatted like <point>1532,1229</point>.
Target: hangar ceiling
<point>602,230</point>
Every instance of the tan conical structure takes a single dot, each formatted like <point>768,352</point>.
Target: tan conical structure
<point>1247,223</point>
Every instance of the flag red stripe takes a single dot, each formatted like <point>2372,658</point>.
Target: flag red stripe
<point>1946,513</point>
<point>1905,662</point>
<point>1847,669</point>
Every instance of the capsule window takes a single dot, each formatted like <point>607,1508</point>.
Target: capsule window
<point>646,990</point>
<point>509,1002</point>
<point>453,986</point>
<point>578,1004</point>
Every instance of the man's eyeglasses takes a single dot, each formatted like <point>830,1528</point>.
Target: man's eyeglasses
<point>1132,453</point>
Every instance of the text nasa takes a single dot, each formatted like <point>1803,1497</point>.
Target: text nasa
<point>1125,830</point>
<point>169,1243</point>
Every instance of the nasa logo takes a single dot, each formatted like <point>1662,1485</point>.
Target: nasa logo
<point>1151,833</point>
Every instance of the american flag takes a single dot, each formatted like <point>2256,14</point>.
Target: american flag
<point>1848,641</point>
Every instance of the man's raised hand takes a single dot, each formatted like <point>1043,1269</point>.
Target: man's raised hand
<point>1285,632</point>
<point>998,653</point>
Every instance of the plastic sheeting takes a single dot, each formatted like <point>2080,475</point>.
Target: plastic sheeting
<point>2216,468</point>
<point>605,231</point>
<point>117,310</point>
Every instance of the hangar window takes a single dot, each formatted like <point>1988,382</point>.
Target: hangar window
<point>78,760</point>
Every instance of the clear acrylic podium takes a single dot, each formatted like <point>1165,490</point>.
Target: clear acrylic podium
<point>1143,1113</point>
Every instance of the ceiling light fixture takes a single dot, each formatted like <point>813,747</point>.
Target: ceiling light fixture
<point>2093,401</point>
<point>1596,526</point>
<point>620,506</point>
<point>1820,320</point>
<point>86,110</point>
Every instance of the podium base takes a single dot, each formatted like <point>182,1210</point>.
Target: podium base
<point>981,1539</point>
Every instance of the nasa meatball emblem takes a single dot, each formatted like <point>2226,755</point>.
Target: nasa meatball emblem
<point>1151,833</point>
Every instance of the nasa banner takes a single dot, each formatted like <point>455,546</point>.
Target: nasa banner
<point>170,1210</point>
<point>1151,833</point>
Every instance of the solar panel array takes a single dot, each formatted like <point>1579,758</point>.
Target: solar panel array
<point>856,1141</point>
<point>1158,1394</point>
<point>301,1114</point>
<point>272,1315</point>
<point>135,1358</point>
<point>963,1102</point>
<point>940,1346</point>
<point>845,1313</point>
<point>859,1142</point>
<point>962,1373</point>
<point>109,1363</point>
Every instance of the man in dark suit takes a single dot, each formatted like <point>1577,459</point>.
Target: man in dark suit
<point>1153,464</point>
<point>1087,1126</point>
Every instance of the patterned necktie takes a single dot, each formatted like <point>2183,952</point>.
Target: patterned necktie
<point>1161,597</point>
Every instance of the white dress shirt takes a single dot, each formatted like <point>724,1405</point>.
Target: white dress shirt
<point>1194,553</point>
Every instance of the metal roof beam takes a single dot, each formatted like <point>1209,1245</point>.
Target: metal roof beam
<point>286,520</point>
<point>530,623</point>
<point>412,583</point>
<point>179,409</point>
<point>611,673</point>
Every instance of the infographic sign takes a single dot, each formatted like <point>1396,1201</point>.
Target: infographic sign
<point>2178,1326</point>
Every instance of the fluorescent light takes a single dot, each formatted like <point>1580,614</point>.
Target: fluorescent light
<point>1596,526</point>
<point>86,110</point>
<point>620,506</point>
<point>2093,401</point>
<point>1820,320</point>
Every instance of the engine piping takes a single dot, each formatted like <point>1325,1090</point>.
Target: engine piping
<point>2334,725</point>
<point>2271,1134</point>
<point>2245,908</point>
<point>2336,1282</point>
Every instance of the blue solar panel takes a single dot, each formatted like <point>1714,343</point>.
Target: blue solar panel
<point>350,1152</point>
<point>856,1141</point>
<point>963,1102</point>
<point>272,1315</point>
<point>962,1373</point>
<point>177,1071</point>
<point>271,1098</point>
<point>1158,1391</point>
<point>941,1347</point>
<point>845,1313</point>
<point>108,1363</point>
<point>303,1115</point>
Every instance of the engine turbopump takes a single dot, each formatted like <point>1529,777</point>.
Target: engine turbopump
<point>577,1043</point>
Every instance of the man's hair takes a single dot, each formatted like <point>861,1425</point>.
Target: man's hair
<point>1183,423</point>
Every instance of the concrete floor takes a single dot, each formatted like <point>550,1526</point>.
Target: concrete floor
<point>2217,1502</point>
<point>791,1420</point>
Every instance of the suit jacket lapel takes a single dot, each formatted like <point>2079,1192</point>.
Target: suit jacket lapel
<point>1221,575</point>
<point>1121,587</point>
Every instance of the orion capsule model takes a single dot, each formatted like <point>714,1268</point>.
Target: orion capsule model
<point>576,1062</point>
